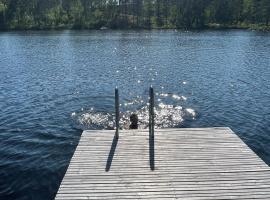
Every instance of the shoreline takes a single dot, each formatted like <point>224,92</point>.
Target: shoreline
<point>218,27</point>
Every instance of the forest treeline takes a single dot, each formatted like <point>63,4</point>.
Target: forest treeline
<point>94,14</point>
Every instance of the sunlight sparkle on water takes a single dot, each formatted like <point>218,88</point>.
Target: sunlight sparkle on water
<point>166,116</point>
<point>176,97</point>
<point>191,112</point>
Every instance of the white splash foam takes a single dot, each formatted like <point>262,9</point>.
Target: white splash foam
<point>96,120</point>
<point>164,95</point>
<point>184,98</point>
<point>174,96</point>
<point>191,112</point>
<point>166,116</point>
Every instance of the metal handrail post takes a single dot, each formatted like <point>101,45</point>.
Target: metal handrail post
<point>117,112</point>
<point>151,112</point>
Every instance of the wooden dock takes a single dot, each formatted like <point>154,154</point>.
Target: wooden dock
<point>193,164</point>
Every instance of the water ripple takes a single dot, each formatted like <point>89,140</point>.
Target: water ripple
<point>55,84</point>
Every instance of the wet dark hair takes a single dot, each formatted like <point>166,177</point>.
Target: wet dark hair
<point>134,121</point>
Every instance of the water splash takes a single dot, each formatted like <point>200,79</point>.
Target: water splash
<point>173,96</point>
<point>166,116</point>
<point>93,120</point>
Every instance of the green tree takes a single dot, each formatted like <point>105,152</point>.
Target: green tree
<point>148,13</point>
<point>3,9</point>
<point>75,13</point>
<point>265,11</point>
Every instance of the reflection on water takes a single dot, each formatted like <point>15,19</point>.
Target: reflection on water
<point>166,116</point>
<point>53,85</point>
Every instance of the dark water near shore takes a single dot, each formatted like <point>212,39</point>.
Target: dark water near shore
<point>55,84</point>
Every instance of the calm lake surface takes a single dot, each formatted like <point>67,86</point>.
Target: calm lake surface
<point>53,85</point>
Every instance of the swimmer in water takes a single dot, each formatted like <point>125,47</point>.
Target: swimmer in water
<point>134,121</point>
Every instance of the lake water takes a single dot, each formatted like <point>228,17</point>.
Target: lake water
<point>53,85</point>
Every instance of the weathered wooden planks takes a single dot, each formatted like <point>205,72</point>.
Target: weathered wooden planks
<point>202,163</point>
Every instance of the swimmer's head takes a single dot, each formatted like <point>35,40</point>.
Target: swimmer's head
<point>134,118</point>
<point>134,121</point>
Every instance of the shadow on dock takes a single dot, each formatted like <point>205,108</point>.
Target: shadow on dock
<point>111,154</point>
<point>152,152</point>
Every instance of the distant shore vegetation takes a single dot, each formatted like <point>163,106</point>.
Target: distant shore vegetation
<point>134,14</point>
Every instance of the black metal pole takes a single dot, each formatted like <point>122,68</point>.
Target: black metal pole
<point>151,129</point>
<point>117,112</point>
<point>151,112</point>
